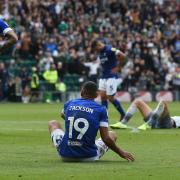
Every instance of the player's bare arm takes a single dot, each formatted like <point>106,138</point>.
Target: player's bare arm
<point>121,59</point>
<point>120,56</point>
<point>11,39</point>
<point>62,114</point>
<point>110,142</point>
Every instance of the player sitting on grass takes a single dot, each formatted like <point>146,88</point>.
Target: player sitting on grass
<point>158,118</point>
<point>83,118</point>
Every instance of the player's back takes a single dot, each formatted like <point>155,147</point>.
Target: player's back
<point>82,121</point>
<point>108,61</point>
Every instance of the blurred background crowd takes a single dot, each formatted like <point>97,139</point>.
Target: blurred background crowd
<point>55,36</point>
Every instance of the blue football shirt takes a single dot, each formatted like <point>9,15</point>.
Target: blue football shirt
<point>108,61</point>
<point>4,27</point>
<point>82,121</point>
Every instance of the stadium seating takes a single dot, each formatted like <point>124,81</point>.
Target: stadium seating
<point>72,82</point>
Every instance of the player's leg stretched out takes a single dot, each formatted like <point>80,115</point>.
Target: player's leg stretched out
<point>145,110</point>
<point>160,117</point>
<point>154,116</point>
<point>150,117</point>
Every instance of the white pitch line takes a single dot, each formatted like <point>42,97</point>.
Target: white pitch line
<point>21,121</point>
<point>133,129</point>
<point>22,129</point>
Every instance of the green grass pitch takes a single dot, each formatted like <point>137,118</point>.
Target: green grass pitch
<point>27,153</point>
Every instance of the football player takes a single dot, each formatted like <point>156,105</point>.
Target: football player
<point>157,118</point>
<point>83,118</point>
<point>10,36</point>
<point>111,60</point>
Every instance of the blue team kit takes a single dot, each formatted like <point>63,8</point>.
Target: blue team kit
<point>82,122</point>
<point>3,27</point>
<point>108,61</point>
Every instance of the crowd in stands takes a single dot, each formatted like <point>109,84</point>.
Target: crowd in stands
<point>55,42</point>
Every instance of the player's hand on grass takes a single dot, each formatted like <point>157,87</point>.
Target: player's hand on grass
<point>127,156</point>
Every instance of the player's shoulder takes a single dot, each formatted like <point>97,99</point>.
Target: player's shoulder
<point>66,104</point>
<point>98,106</point>
<point>84,102</point>
<point>73,101</point>
<point>2,22</point>
<point>111,48</point>
<point>108,46</point>
<point>69,102</point>
<point>4,27</point>
<point>103,109</point>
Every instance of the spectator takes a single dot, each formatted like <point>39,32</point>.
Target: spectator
<point>51,76</point>
<point>24,75</point>
<point>4,79</point>
<point>63,30</point>
<point>93,66</point>
<point>34,85</point>
<point>61,71</point>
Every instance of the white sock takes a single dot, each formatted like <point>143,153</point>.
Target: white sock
<point>130,112</point>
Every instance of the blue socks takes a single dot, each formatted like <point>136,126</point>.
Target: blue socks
<point>105,103</point>
<point>118,106</point>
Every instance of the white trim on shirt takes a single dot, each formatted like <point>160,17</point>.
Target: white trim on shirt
<point>103,124</point>
<point>6,30</point>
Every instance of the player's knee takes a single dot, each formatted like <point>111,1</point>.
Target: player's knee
<point>53,124</point>
<point>103,97</point>
<point>165,106</point>
<point>138,102</point>
<point>111,98</point>
<point>163,102</point>
<point>113,135</point>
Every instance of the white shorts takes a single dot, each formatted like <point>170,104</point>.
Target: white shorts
<point>109,85</point>
<point>57,136</point>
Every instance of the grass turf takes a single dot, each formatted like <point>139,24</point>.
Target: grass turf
<point>26,151</point>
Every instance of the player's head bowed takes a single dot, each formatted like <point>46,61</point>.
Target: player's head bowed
<point>98,45</point>
<point>89,90</point>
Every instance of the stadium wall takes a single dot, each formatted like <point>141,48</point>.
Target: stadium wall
<point>147,96</point>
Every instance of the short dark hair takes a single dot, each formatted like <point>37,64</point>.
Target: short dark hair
<point>89,89</point>
<point>94,44</point>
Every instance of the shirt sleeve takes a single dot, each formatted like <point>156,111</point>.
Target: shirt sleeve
<point>87,64</point>
<point>4,27</point>
<point>66,106</point>
<point>111,50</point>
<point>104,118</point>
<point>115,51</point>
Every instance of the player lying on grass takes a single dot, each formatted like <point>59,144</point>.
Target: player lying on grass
<point>158,118</point>
<point>9,34</point>
<point>83,118</point>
